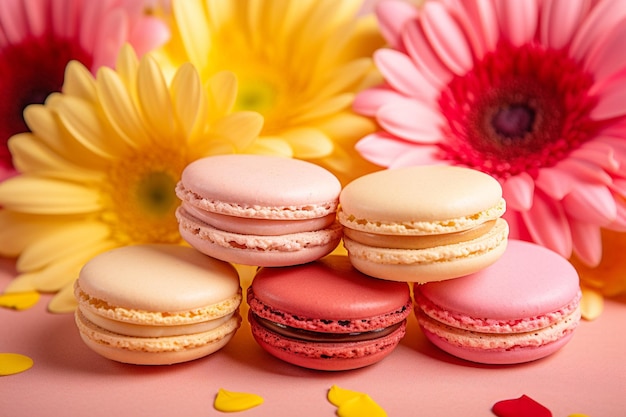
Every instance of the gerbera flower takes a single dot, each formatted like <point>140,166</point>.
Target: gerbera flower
<point>39,38</point>
<point>99,167</point>
<point>531,92</point>
<point>298,63</point>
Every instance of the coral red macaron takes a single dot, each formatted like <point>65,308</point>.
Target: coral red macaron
<point>522,308</point>
<point>259,210</point>
<point>157,304</point>
<point>326,315</point>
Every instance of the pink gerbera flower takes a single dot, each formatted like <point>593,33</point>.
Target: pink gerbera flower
<point>532,92</point>
<point>39,37</point>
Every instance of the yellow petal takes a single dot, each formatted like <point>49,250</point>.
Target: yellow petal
<point>19,300</point>
<point>592,304</point>
<point>222,93</point>
<point>266,145</point>
<point>18,230</point>
<point>63,301</point>
<point>127,66</point>
<point>229,401</point>
<point>47,196</point>
<point>79,82</point>
<point>14,363</point>
<point>308,143</point>
<point>154,98</point>
<point>318,109</point>
<point>119,107</point>
<point>190,101</point>
<point>20,284</point>
<point>240,128</point>
<point>191,23</point>
<point>63,243</point>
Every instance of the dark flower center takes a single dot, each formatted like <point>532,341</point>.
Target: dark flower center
<point>29,71</point>
<point>517,110</point>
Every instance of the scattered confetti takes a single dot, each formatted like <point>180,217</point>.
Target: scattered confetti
<point>353,403</point>
<point>228,401</point>
<point>14,363</point>
<point>523,406</point>
<point>19,300</point>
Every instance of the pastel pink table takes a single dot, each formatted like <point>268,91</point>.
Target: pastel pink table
<point>588,376</point>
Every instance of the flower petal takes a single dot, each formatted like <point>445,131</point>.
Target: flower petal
<point>480,23</point>
<point>241,128</point>
<point>48,196</point>
<point>18,230</point>
<point>422,155</point>
<point>591,203</point>
<point>412,121</point>
<point>154,99</point>
<point>190,103</point>
<point>392,16</point>
<point>191,22</point>
<point>78,82</point>
<point>369,101</point>
<point>426,59</point>
<point>587,242</point>
<point>64,301</point>
<point>518,20</point>
<point>591,304</point>
<point>518,191</point>
<point>611,98</point>
<point>308,143</point>
<point>400,72</point>
<point>560,19</point>
<point>222,88</point>
<point>382,149</point>
<point>548,225</point>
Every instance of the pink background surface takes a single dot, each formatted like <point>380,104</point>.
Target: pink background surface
<point>587,376</point>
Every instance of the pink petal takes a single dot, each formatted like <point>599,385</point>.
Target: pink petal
<point>619,186</point>
<point>605,60</point>
<point>611,97</point>
<point>36,15</point>
<point>517,226</point>
<point>548,225</point>
<point>90,23</point>
<point>518,192</point>
<point>584,171</point>
<point>65,19</point>
<point>381,148</point>
<point>369,101</point>
<point>591,203</point>
<point>426,60</point>
<point>418,155</point>
<point>597,153</point>
<point>554,182</point>
<point>587,242</point>
<point>148,34</point>
<point>604,16</point>
<point>620,219</point>
<point>446,38</point>
<point>113,32</point>
<point>518,20</point>
<point>559,21</point>
<point>400,72</point>
<point>411,120</point>
<point>392,16</point>
<point>480,24</point>
<point>12,21</point>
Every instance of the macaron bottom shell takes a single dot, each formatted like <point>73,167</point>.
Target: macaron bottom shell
<point>258,250</point>
<point>326,356</point>
<point>155,350</point>
<point>487,356</point>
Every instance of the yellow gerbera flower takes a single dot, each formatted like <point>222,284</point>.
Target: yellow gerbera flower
<point>299,64</point>
<point>99,169</point>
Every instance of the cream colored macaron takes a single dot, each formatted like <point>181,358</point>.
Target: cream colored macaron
<point>421,224</point>
<point>157,304</point>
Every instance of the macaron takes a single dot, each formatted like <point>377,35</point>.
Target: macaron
<point>157,304</point>
<point>522,308</point>
<point>259,210</point>
<point>424,223</point>
<point>326,315</point>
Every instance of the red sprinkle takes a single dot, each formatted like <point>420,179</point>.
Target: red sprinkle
<point>523,406</point>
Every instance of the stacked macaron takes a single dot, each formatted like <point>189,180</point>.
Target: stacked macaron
<point>157,304</point>
<point>259,210</point>
<point>421,224</point>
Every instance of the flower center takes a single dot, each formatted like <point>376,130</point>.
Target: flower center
<point>29,71</point>
<point>517,110</point>
<point>142,197</point>
<point>256,95</point>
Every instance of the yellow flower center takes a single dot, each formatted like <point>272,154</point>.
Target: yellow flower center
<point>256,95</point>
<point>142,197</point>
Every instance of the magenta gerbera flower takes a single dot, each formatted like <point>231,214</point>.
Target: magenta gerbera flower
<point>39,37</point>
<point>532,92</point>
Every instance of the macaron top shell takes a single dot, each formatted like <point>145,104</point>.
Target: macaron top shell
<point>328,289</point>
<point>421,200</point>
<point>527,281</point>
<point>158,278</point>
<point>259,186</point>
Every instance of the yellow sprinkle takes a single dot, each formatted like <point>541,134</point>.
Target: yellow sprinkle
<point>14,363</point>
<point>578,415</point>
<point>353,403</point>
<point>228,401</point>
<point>591,305</point>
<point>338,396</point>
<point>19,300</point>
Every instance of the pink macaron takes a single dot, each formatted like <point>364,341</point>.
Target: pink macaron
<point>259,210</point>
<point>522,308</point>
<point>326,315</point>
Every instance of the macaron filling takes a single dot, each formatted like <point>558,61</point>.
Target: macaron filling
<point>418,242</point>
<point>325,337</point>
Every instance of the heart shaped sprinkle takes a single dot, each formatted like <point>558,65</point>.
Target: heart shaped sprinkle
<point>523,406</point>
